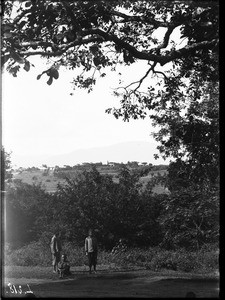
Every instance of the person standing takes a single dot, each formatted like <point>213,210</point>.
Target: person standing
<point>56,248</point>
<point>91,250</point>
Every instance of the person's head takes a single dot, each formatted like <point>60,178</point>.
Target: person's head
<point>90,232</point>
<point>56,233</point>
<point>63,257</point>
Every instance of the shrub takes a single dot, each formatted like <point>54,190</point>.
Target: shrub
<point>162,259</point>
<point>75,254</point>
<point>187,262</point>
<point>30,255</point>
<point>155,259</point>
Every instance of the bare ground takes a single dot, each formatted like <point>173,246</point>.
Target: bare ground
<point>109,283</point>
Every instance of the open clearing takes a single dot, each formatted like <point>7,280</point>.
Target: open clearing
<point>110,283</point>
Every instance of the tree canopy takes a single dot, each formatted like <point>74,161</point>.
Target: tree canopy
<point>98,34</point>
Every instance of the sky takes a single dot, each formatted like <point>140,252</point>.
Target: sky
<point>38,119</point>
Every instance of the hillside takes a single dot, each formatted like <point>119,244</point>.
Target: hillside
<point>121,152</point>
<point>50,179</point>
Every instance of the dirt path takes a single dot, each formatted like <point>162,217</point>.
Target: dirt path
<point>138,283</point>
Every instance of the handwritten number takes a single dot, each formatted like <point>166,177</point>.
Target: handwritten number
<point>20,289</point>
<point>29,288</point>
<point>10,287</point>
<point>15,289</point>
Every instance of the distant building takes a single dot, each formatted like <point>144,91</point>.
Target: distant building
<point>143,164</point>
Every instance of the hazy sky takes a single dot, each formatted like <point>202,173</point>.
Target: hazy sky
<point>42,119</point>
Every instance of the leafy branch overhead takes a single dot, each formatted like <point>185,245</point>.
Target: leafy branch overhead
<point>98,34</point>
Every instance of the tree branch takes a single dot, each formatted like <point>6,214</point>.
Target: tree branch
<point>20,16</point>
<point>62,49</point>
<point>162,59</point>
<point>166,39</point>
<point>142,79</point>
<point>159,72</point>
<point>142,19</point>
<point>138,81</point>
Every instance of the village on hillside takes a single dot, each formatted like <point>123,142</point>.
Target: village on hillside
<point>49,176</point>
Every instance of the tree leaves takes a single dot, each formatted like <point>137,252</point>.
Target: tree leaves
<point>96,200</point>
<point>49,82</point>
<point>190,218</point>
<point>28,3</point>
<point>63,23</point>
<point>27,66</point>
<point>52,73</point>
<point>17,57</point>
<point>14,70</point>
<point>127,57</point>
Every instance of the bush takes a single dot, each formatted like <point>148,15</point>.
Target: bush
<point>162,259</point>
<point>30,255</point>
<point>75,254</point>
<point>187,262</point>
<point>204,261</point>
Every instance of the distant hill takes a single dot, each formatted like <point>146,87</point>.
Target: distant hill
<point>122,152</point>
<point>50,180</point>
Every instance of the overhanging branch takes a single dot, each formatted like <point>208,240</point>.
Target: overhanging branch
<point>61,49</point>
<point>162,59</point>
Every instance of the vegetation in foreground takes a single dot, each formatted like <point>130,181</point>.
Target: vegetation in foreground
<point>155,259</point>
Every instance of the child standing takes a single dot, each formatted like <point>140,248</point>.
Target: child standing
<point>91,250</point>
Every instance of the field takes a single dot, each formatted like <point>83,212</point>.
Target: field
<point>50,180</point>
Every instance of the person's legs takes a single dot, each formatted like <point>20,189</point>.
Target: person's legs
<point>90,261</point>
<point>67,270</point>
<point>57,260</point>
<point>54,263</point>
<point>61,273</point>
<point>94,260</point>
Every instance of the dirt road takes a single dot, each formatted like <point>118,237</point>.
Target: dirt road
<point>142,283</point>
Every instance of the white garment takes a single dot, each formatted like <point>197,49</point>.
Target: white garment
<point>89,245</point>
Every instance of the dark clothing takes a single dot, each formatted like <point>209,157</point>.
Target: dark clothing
<point>55,258</point>
<point>64,268</point>
<point>92,259</point>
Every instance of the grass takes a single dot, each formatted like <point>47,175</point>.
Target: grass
<point>154,259</point>
<point>50,181</point>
